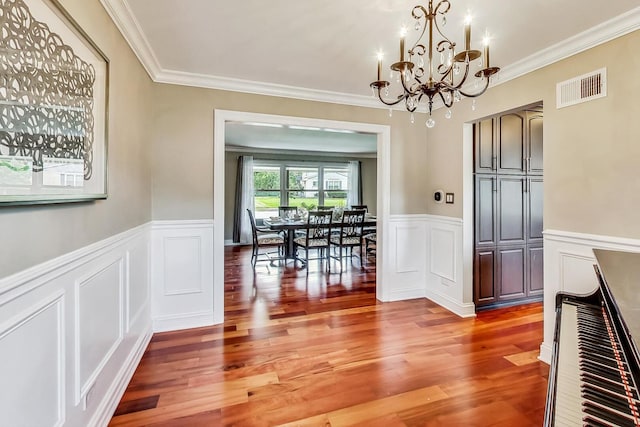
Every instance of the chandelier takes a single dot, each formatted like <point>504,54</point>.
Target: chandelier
<point>421,78</point>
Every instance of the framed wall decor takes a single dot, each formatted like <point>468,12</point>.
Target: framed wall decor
<point>53,107</point>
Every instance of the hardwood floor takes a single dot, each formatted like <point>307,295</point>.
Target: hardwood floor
<point>319,350</point>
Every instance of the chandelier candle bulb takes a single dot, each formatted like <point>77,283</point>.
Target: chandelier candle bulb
<point>486,53</point>
<point>403,33</point>
<point>467,33</point>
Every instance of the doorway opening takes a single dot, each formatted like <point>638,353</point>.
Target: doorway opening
<point>382,135</point>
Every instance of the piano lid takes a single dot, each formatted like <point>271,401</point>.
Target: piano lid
<point>621,271</point>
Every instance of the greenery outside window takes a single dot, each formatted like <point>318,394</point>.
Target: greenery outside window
<point>306,185</point>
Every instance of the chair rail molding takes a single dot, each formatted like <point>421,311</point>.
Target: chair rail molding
<point>76,326</point>
<point>568,267</point>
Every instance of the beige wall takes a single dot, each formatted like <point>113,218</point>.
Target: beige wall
<point>592,150</point>
<point>367,168</point>
<point>31,235</point>
<point>183,146</point>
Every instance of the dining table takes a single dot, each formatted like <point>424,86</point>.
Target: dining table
<point>291,225</point>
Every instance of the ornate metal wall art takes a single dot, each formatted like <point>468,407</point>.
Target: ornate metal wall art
<point>53,93</point>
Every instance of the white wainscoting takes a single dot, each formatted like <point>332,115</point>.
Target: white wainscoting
<point>426,261</point>
<point>182,274</point>
<point>72,332</point>
<point>568,267</point>
<point>445,274</point>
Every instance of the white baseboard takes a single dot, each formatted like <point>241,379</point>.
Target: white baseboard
<point>109,404</point>
<point>182,321</point>
<point>461,309</point>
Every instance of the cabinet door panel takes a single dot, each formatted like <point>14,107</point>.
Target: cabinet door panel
<point>484,279</point>
<point>535,195</point>
<point>535,267</point>
<point>485,210</point>
<point>511,144</point>
<point>511,264</point>
<point>511,210</point>
<point>535,145</point>
<point>485,147</point>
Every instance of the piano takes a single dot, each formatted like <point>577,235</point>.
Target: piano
<point>595,369</point>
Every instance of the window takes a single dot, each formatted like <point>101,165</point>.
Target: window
<point>302,187</point>
<point>305,185</point>
<point>266,183</point>
<point>333,185</point>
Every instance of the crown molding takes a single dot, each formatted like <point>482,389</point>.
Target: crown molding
<point>121,14</point>
<point>128,25</point>
<point>601,33</point>
<point>261,88</point>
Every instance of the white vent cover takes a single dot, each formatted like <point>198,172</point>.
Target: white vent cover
<point>582,88</point>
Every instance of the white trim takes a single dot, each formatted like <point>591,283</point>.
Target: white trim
<point>96,396</point>
<point>383,189</point>
<point>238,149</point>
<point>104,412</point>
<point>601,33</point>
<point>121,14</point>
<point>568,267</point>
<point>262,88</point>
<point>176,322</point>
<point>610,242</point>
<point>460,308</point>
<point>181,224</point>
<point>27,280</point>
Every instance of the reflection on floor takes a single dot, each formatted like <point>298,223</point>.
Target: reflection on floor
<point>319,350</point>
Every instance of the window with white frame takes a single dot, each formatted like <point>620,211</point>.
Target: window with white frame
<point>306,185</point>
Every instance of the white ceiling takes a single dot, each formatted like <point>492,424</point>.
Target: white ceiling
<point>325,50</point>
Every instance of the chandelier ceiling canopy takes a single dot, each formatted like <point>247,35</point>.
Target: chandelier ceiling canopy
<point>432,67</point>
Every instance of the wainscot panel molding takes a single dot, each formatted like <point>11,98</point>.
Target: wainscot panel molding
<point>182,274</point>
<point>72,332</point>
<point>426,261</point>
<point>568,267</point>
<point>445,274</point>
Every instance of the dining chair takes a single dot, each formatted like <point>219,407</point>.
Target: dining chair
<point>369,239</point>
<point>316,236</point>
<point>264,239</point>
<point>365,230</point>
<point>349,235</point>
<point>360,207</point>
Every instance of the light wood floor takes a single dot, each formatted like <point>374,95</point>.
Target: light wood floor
<point>320,351</point>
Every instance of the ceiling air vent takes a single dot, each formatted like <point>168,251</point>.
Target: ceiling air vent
<point>582,88</point>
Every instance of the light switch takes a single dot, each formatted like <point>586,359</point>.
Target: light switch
<point>449,198</point>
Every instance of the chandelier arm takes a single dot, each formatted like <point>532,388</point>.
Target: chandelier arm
<point>446,39</point>
<point>389,103</point>
<point>484,89</point>
<point>444,102</point>
<point>464,78</point>
<point>417,16</point>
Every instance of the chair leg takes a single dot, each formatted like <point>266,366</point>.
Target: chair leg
<point>254,256</point>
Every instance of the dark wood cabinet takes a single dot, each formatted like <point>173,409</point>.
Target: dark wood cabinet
<point>508,262</point>
<point>509,144</point>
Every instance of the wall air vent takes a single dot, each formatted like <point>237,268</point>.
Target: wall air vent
<point>582,88</point>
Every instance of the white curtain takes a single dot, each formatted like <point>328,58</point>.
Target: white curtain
<point>247,199</point>
<point>353,184</point>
